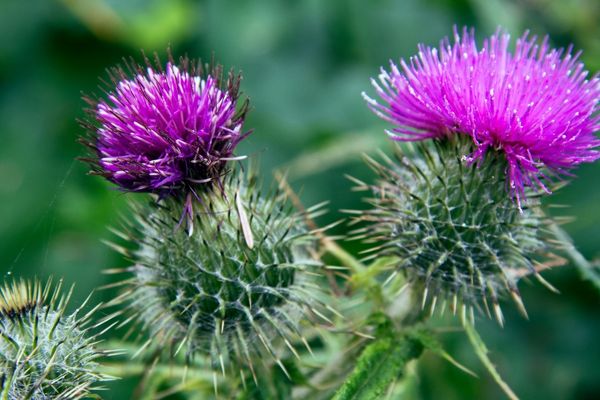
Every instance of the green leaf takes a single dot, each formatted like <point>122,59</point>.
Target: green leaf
<point>381,363</point>
<point>482,352</point>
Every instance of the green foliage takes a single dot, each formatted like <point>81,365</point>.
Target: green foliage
<point>45,353</point>
<point>456,232</point>
<point>380,364</point>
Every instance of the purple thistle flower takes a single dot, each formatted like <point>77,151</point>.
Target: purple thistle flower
<point>534,105</point>
<point>165,131</point>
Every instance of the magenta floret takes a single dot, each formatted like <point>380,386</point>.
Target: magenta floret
<point>536,105</point>
<point>166,131</point>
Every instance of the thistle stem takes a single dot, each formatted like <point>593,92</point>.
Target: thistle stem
<point>344,257</point>
<point>482,352</point>
<point>381,363</point>
<point>586,269</point>
<point>128,368</point>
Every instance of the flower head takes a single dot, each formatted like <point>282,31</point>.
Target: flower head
<point>535,105</point>
<point>168,130</point>
<point>46,353</point>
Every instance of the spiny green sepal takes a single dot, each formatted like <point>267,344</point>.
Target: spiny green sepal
<point>45,353</point>
<point>234,285</point>
<point>453,226</point>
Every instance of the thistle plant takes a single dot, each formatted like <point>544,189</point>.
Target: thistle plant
<point>496,120</point>
<point>237,287</point>
<point>461,216</point>
<point>254,300</point>
<point>45,352</point>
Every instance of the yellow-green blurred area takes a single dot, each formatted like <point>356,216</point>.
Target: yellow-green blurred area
<point>305,64</point>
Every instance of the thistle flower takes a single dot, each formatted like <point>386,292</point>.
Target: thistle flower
<point>166,131</point>
<point>45,353</point>
<point>234,288</point>
<point>535,105</point>
<point>454,232</point>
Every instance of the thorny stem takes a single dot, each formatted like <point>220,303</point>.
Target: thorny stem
<point>380,364</point>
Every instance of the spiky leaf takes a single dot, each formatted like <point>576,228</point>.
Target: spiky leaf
<point>381,363</point>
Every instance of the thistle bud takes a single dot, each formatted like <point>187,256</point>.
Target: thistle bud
<point>456,232</point>
<point>45,353</point>
<point>238,285</point>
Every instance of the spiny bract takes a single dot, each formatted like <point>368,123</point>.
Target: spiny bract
<point>456,232</point>
<point>44,352</point>
<point>234,284</point>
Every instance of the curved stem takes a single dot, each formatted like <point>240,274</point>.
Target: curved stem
<point>586,269</point>
<point>482,352</point>
<point>343,256</point>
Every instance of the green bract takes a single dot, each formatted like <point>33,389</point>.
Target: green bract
<point>45,353</point>
<point>235,284</point>
<point>455,231</point>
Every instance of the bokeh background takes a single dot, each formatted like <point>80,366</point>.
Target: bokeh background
<point>305,64</point>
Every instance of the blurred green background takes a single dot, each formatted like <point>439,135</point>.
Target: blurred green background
<point>305,64</point>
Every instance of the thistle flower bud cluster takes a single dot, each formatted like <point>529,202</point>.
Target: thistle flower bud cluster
<point>45,352</point>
